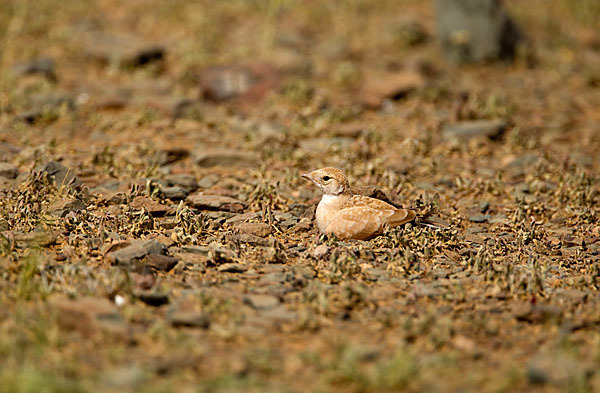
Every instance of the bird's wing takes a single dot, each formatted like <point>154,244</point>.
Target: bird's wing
<point>401,216</point>
<point>393,215</point>
<point>362,200</point>
<point>360,223</point>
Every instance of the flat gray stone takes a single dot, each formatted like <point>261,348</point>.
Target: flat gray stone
<point>8,170</point>
<point>193,319</point>
<point>232,268</point>
<point>122,49</point>
<point>261,301</point>
<point>470,129</point>
<point>215,202</point>
<point>135,251</point>
<point>476,30</point>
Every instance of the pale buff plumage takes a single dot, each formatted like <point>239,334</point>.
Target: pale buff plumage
<point>349,216</point>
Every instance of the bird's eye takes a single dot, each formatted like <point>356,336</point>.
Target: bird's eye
<point>326,178</point>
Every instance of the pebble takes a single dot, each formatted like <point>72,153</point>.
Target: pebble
<point>135,251</point>
<point>61,208</point>
<point>8,170</point>
<point>261,301</point>
<point>251,239</point>
<point>182,180</point>
<point>192,319</point>
<point>151,298</point>
<point>249,84</point>
<point>474,128</point>
<point>161,262</point>
<point>44,66</point>
<point>121,49</point>
<point>320,251</point>
<point>259,229</point>
<point>88,315</point>
<point>174,193</point>
<point>232,268</point>
<point>471,31</point>
<point>151,206</point>
<point>378,87</point>
<point>480,218</point>
<point>215,202</point>
<point>61,175</point>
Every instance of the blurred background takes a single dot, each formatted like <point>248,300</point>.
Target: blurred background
<point>114,115</point>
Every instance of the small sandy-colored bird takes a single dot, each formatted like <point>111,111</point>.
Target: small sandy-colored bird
<point>349,216</point>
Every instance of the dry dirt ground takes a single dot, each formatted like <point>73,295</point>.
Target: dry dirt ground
<point>156,235</point>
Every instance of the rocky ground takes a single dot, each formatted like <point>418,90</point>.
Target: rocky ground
<point>156,235</point>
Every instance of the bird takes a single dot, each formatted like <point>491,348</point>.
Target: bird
<point>349,216</point>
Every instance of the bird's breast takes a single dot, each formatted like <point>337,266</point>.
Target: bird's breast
<point>326,209</point>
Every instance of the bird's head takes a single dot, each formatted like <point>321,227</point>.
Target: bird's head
<point>330,180</point>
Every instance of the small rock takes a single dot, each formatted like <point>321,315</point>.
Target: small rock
<point>251,239</point>
<point>285,220</point>
<point>61,175</point>
<point>378,87</point>
<point>280,314</point>
<point>208,181</point>
<point>35,239</point>
<point>123,378</point>
<point>469,129</point>
<point>480,218</point>
<point>88,315</point>
<point>61,208</point>
<point>243,217</point>
<point>169,156</point>
<point>536,313</point>
<point>161,262</point>
<point>200,250</point>
<point>47,107</point>
<point>191,319</point>
<point>464,343</point>
<point>43,66</point>
<point>261,301</point>
<point>476,30</point>
<point>123,50</point>
<point>232,268</point>
<point>152,246</point>
<point>484,206</point>
<point>571,241</point>
<point>557,370</point>
<point>174,193</point>
<point>134,251</point>
<point>249,84</point>
<point>215,202</point>
<point>227,158</point>
<point>113,210</point>
<point>151,298</point>
<point>259,229</point>
<point>183,180</point>
<point>305,224</point>
<point>8,170</point>
<point>144,281</point>
<point>320,251</point>
<point>127,255</point>
<point>151,206</point>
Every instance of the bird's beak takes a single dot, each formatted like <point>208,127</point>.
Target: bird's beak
<point>307,176</point>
